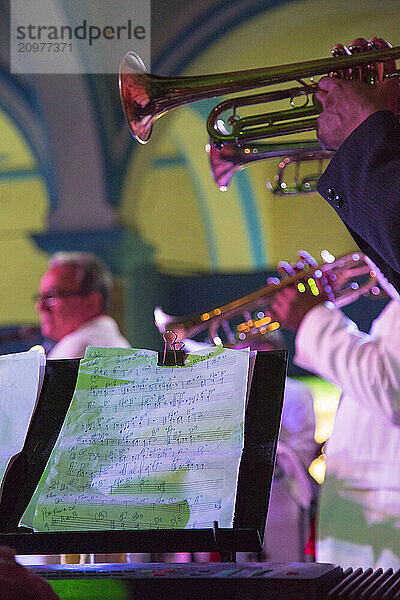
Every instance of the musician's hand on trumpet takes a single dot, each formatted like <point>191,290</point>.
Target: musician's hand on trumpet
<point>293,302</point>
<point>348,98</point>
<point>346,104</point>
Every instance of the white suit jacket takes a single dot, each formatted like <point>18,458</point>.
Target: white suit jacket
<point>359,519</point>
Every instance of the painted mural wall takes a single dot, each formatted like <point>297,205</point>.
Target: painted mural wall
<point>169,194</point>
<point>72,177</point>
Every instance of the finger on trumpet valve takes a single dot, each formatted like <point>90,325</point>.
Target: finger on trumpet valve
<point>307,258</point>
<point>285,269</point>
<point>361,73</point>
<point>298,265</point>
<point>273,280</point>
<point>340,50</point>
<point>327,257</point>
<point>358,45</point>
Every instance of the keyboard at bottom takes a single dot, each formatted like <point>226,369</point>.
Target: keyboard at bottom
<point>192,581</point>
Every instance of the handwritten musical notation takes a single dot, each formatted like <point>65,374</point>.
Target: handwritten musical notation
<point>146,446</point>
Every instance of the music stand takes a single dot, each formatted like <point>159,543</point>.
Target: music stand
<point>261,432</point>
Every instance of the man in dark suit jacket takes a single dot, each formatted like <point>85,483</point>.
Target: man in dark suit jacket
<point>362,181</point>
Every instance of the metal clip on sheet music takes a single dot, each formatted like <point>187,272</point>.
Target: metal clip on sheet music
<point>173,354</point>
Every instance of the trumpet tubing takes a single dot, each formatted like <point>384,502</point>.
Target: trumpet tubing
<point>229,158</point>
<point>342,273</point>
<point>304,184</point>
<point>296,119</point>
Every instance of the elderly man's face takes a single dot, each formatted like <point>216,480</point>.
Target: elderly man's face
<point>61,307</point>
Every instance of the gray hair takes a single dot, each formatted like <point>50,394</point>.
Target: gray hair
<point>95,275</point>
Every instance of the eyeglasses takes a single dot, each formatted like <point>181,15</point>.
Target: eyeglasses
<point>52,298</point>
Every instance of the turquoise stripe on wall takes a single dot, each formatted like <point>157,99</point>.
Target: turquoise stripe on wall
<point>246,196</point>
<point>201,198</point>
<point>202,201</point>
<point>21,174</point>
<point>165,162</point>
<point>251,216</point>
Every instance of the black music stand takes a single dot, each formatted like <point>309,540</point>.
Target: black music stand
<point>262,425</point>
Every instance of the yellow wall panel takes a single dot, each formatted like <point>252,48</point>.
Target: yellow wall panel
<point>22,264</point>
<point>23,205</point>
<point>164,222</point>
<point>224,208</point>
<point>23,210</point>
<point>14,152</point>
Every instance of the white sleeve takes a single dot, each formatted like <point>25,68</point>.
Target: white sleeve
<point>367,369</point>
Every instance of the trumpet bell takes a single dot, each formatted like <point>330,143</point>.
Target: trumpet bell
<point>134,97</point>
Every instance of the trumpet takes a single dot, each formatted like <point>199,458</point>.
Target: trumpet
<point>145,97</point>
<point>349,277</point>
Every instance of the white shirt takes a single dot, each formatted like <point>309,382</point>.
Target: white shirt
<point>359,516</point>
<point>100,331</point>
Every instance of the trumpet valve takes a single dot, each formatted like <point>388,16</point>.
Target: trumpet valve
<point>365,72</point>
<point>338,51</point>
<point>382,68</point>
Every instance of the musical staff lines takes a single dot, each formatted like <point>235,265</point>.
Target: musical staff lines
<point>146,446</point>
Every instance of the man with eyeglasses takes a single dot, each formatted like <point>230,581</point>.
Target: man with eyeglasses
<point>72,304</point>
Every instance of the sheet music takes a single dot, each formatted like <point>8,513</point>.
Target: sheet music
<point>21,377</point>
<point>144,446</point>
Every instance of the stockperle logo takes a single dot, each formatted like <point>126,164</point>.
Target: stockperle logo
<point>91,36</point>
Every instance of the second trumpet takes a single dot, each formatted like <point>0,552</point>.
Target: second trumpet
<point>236,323</point>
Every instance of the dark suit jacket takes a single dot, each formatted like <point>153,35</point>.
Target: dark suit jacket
<point>362,183</point>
